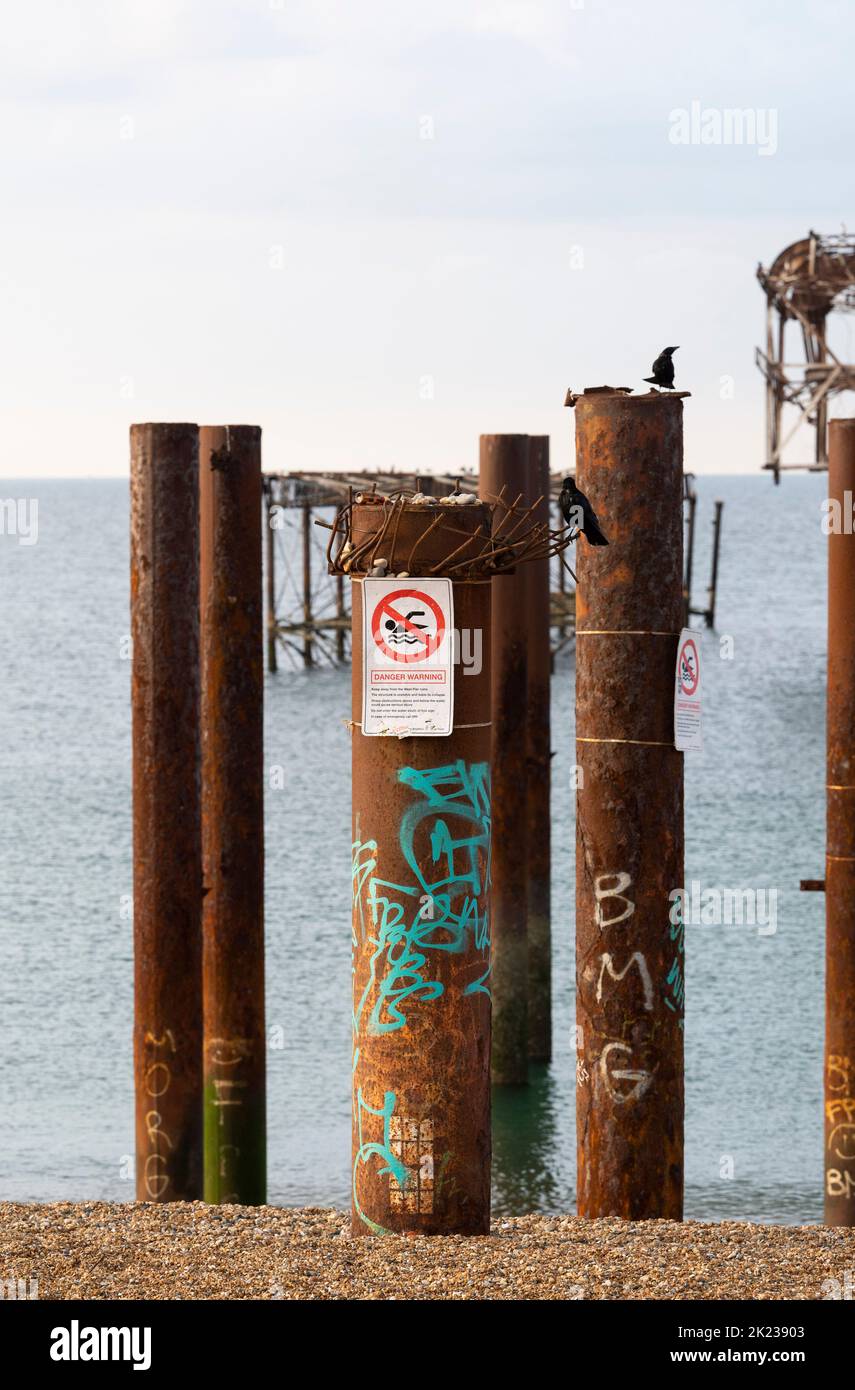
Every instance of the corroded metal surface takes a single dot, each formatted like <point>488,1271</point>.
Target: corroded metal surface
<point>536,574</point>
<point>840,843</point>
<point>504,464</point>
<point>421,936</point>
<point>629,811</point>
<point>233,815</point>
<point>166,793</point>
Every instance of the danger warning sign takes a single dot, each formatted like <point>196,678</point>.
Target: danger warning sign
<point>408,650</point>
<point>687,694</point>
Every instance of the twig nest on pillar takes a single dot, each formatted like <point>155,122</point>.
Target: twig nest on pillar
<point>495,537</point>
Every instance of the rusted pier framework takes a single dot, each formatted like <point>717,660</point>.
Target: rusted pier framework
<point>629,809</point>
<point>307,616</point>
<point>804,285</point>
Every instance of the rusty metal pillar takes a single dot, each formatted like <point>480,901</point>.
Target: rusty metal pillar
<point>232,815</point>
<point>270,567</point>
<point>840,840</point>
<point>629,810</point>
<point>692,499</point>
<point>713,585</point>
<point>308,655</point>
<point>340,610</point>
<point>421,1004</point>
<point>538,818</point>
<point>166,793</point>
<point>504,463</point>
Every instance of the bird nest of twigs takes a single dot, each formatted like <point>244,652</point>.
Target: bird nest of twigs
<point>508,534</point>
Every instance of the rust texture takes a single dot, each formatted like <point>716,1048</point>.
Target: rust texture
<point>629,811</point>
<point>538,819</point>
<point>840,842</point>
<point>232,814</point>
<point>421,1006</point>
<point>504,465</point>
<point>166,797</point>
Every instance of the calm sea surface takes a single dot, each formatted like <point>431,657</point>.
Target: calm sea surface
<point>754,818</point>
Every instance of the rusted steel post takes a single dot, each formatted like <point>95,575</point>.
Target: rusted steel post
<point>690,557</point>
<point>504,463</point>
<point>166,792</point>
<point>629,810</point>
<point>710,614</point>
<point>538,819</point>
<point>421,940</point>
<point>270,565</point>
<point>340,611</point>
<point>232,815</point>
<point>308,657</point>
<point>840,840</point>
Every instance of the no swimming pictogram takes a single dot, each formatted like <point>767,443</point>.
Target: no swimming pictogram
<point>408,625</point>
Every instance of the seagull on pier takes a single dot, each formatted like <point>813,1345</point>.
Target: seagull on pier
<point>663,369</point>
<point>574,503</point>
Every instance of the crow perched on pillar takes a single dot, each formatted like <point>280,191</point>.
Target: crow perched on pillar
<point>663,370</point>
<point>574,504</point>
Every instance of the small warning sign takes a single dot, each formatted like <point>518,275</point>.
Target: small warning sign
<point>687,694</point>
<point>408,651</point>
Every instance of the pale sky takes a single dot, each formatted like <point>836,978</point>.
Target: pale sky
<point>379,229</point>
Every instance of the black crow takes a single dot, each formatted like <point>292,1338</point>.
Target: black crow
<point>575,505</point>
<point>663,369</point>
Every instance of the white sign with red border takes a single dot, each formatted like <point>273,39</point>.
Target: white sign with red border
<point>408,657</point>
<point>687,694</point>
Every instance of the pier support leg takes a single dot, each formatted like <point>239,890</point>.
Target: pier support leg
<point>504,462</point>
<point>421,950</point>
<point>233,816</point>
<point>690,559</point>
<point>710,614</point>
<point>308,656</point>
<point>538,818</point>
<point>840,846</point>
<point>270,578</point>
<point>629,811</point>
<point>341,614</point>
<point>166,794</point>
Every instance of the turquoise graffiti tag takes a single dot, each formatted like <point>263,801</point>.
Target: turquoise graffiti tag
<point>452,809</point>
<point>381,1149</point>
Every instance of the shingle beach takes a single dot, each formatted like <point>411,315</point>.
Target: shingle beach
<point>103,1250</point>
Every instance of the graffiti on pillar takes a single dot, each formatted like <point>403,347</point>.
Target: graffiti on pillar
<point>840,1117</point>
<point>447,828</point>
<point>614,907</point>
<point>391,1164</point>
<point>675,997</point>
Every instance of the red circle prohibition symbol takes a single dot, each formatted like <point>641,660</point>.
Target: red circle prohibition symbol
<point>686,687</point>
<point>384,612</point>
